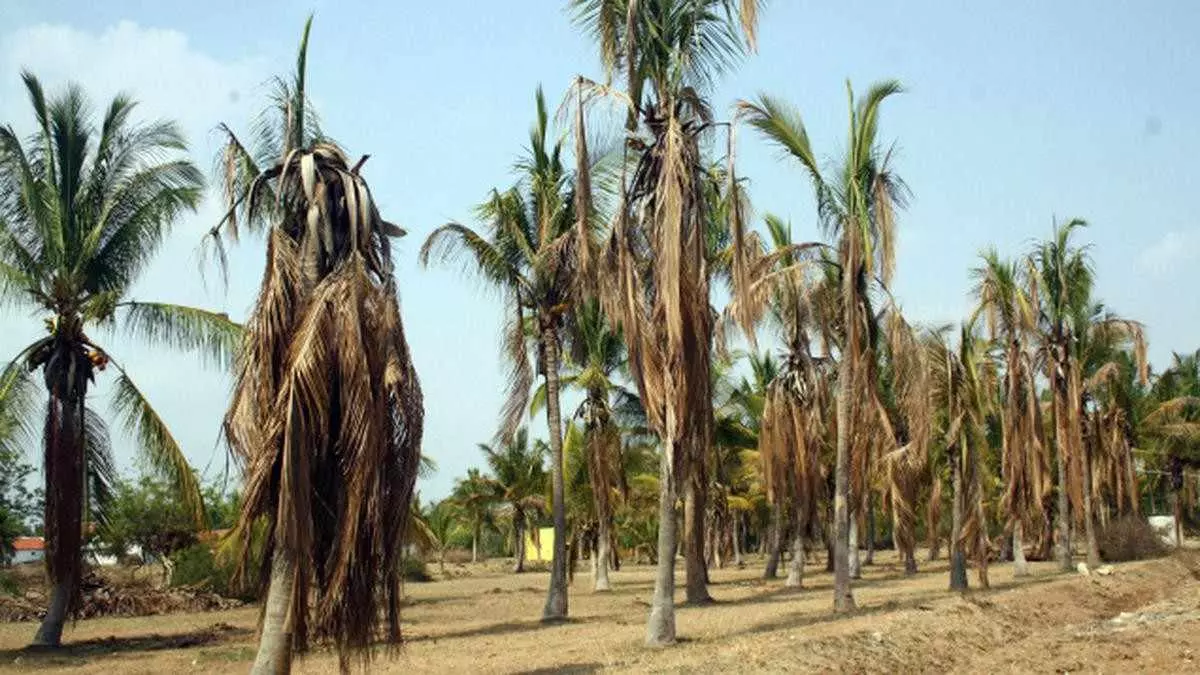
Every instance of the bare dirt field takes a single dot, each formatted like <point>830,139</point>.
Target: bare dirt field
<point>1145,617</point>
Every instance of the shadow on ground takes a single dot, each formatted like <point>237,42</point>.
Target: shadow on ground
<point>76,652</point>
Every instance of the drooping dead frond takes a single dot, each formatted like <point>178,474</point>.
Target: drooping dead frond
<point>327,411</point>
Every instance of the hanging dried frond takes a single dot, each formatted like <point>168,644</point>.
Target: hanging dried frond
<point>327,410</point>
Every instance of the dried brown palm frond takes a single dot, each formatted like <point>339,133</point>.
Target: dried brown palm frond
<point>327,410</point>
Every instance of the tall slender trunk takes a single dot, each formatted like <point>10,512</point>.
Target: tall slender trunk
<point>475,544</point>
<point>1089,519</point>
<point>774,543</point>
<point>275,644</point>
<point>932,525</point>
<point>843,598</point>
<point>795,577</point>
<point>1020,564</point>
<point>1177,513</point>
<point>1061,431</point>
<point>855,553</point>
<point>870,560</point>
<point>65,469</point>
<point>556,595</point>
<point>602,557</point>
<point>982,542</point>
<point>660,626</point>
<point>518,544</point>
<point>737,540</point>
<point>1135,506</point>
<point>693,524</point>
<point>1046,540</point>
<point>958,556</point>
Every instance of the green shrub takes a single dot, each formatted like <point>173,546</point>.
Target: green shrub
<point>9,584</point>
<point>197,565</point>
<point>1130,538</point>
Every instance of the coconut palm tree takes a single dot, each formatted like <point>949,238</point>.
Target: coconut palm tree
<point>667,52</point>
<point>1011,317</point>
<point>83,210</point>
<point>789,285</point>
<point>475,498</point>
<point>530,254</point>
<point>1173,427</point>
<point>962,386</point>
<point>1064,279</point>
<point>857,207</point>
<point>327,412</point>
<point>519,481</point>
<point>1075,334</point>
<point>596,360</point>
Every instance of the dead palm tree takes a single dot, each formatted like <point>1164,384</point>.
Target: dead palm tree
<point>1069,323</point>
<point>83,210</point>
<point>788,285</point>
<point>656,280</point>
<point>962,386</point>
<point>1011,317</point>
<point>857,207</point>
<point>531,254</point>
<point>326,413</point>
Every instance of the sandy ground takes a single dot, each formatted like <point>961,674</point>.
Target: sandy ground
<point>1145,617</point>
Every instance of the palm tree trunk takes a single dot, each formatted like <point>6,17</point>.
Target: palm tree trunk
<point>1020,564</point>
<point>932,524</point>
<point>603,546</point>
<point>870,560</point>
<point>982,542</point>
<point>49,633</point>
<point>475,544</point>
<point>693,524</point>
<point>1061,430</point>
<point>519,545</point>
<point>660,627</point>
<point>855,554</point>
<point>795,577</point>
<point>556,596</point>
<point>737,540</point>
<point>843,598</point>
<point>1046,543</point>
<point>958,557</point>
<point>774,543</point>
<point>275,644</point>
<point>65,485</point>
<point>1089,519</point>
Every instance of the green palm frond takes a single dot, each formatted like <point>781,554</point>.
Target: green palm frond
<point>102,474</point>
<point>212,334</point>
<point>452,241</point>
<point>157,444</point>
<point>18,407</point>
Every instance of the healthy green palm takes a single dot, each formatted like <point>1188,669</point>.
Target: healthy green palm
<point>83,210</point>
<point>519,482</point>
<point>530,253</point>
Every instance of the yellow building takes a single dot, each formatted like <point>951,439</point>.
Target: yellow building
<point>539,545</point>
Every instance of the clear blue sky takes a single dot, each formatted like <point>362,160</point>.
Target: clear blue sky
<point>1015,113</point>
